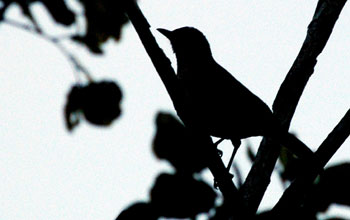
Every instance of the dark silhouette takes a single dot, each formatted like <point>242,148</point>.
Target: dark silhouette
<point>98,102</point>
<point>179,146</point>
<point>210,101</point>
<point>218,103</point>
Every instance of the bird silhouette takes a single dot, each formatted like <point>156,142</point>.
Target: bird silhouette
<point>218,103</point>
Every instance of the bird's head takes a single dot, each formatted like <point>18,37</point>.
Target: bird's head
<point>188,43</point>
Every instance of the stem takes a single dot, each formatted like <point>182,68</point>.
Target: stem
<point>55,41</point>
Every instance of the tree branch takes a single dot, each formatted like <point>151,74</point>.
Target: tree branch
<point>294,195</point>
<point>158,58</point>
<point>319,31</point>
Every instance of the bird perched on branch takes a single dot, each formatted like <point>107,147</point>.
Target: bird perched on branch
<point>217,102</point>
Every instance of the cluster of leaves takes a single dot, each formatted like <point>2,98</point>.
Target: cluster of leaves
<point>179,146</point>
<point>173,196</point>
<point>99,102</point>
<point>177,195</point>
<point>104,18</point>
<point>331,187</point>
<point>180,195</point>
<point>58,10</point>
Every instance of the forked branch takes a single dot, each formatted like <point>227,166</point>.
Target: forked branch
<point>319,31</point>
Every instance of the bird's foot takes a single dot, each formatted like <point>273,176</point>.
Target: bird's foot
<point>236,144</point>
<point>216,144</point>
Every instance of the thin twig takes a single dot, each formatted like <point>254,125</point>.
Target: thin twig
<point>55,41</point>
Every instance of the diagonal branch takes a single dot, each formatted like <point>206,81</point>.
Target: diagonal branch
<point>158,58</point>
<point>293,196</point>
<point>319,31</point>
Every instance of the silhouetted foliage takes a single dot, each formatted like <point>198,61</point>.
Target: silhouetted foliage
<point>98,102</point>
<point>104,18</point>
<point>236,114</point>
<point>181,196</point>
<point>57,8</point>
<point>250,153</point>
<point>140,210</point>
<point>332,187</point>
<point>291,165</point>
<point>178,145</point>
<point>173,196</point>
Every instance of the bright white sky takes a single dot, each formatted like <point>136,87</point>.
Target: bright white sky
<point>93,173</point>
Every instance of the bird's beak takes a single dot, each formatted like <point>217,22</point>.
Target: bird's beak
<point>165,32</point>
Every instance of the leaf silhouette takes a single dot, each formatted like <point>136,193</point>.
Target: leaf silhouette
<point>139,210</point>
<point>98,102</point>
<point>332,187</point>
<point>105,20</point>
<point>181,196</point>
<point>176,144</point>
